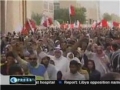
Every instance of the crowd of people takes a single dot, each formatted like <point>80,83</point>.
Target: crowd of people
<point>58,54</point>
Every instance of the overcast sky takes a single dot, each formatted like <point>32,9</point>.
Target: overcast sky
<point>110,6</point>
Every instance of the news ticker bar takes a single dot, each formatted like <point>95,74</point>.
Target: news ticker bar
<point>31,80</point>
<point>77,82</point>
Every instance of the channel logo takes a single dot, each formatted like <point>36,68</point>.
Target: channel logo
<point>13,80</point>
<point>22,80</point>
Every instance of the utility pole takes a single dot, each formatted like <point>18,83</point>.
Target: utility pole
<point>98,10</point>
<point>24,11</point>
<point>2,16</point>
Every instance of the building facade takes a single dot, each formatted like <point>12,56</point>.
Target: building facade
<point>67,3</point>
<point>42,7</point>
<point>56,5</point>
<point>92,8</point>
<point>14,13</point>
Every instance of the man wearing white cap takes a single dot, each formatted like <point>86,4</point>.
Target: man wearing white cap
<point>61,62</point>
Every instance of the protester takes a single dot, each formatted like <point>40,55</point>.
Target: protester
<point>83,72</point>
<point>73,74</point>
<point>61,62</point>
<point>95,49</point>
<point>115,58</point>
<point>70,57</point>
<point>93,73</point>
<point>59,75</point>
<point>10,60</point>
<point>52,62</point>
<point>101,61</point>
<point>52,72</point>
<point>108,50</point>
<point>16,70</point>
<point>33,66</point>
<point>3,59</point>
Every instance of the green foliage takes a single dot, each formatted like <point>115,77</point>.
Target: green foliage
<point>115,18</point>
<point>80,15</point>
<point>63,15</point>
<point>60,21</point>
<point>37,18</point>
<point>107,17</point>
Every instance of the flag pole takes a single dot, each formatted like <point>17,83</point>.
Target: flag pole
<point>30,24</point>
<point>69,14</point>
<point>70,18</point>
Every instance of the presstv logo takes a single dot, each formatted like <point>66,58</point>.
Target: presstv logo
<point>22,80</point>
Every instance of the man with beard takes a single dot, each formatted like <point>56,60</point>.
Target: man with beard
<point>33,66</point>
<point>61,62</point>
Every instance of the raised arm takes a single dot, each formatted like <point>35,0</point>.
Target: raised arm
<point>79,43</point>
<point>18,58</point>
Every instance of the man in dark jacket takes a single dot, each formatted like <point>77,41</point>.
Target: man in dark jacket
<point>115,58</point>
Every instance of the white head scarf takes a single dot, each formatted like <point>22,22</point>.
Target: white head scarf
<point>57,49</point>
<point>69,55</point>
<point>74,58</point>
<point>42,55</point>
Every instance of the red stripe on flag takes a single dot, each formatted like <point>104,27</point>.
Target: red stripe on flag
<point>24,31</point>
<point>115,24</point>
<point>104,23</point>
<point>50,21</point>
<point>72,10</point>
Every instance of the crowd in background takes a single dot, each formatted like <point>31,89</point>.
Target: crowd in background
<point>57,54</point>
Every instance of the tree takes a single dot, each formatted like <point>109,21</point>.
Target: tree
<point>107,17</point>
<point>37,17</point>
<point>80,15</point>
<point>60,20</point>
<point>115,18</point>
<point>63,15</point>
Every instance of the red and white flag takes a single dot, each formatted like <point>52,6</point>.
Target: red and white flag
<point>24,31</point>
<point>110,24</point>
<point>72,10</point>
<point>99,24</point>
<point>104,23</point>
<point>43,20</point>
<point>94,24</point>
<point>46,21</point>
<point>29,25</point>
<point>115,24</point>
<point>66,25</point>
<point>71,26</point>
<point>32,24</point>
